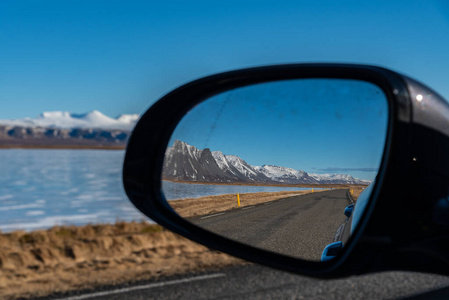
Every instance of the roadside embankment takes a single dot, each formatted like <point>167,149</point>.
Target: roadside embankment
<point>67,258</point>
<point>192,207</point>
<point>356,191</point>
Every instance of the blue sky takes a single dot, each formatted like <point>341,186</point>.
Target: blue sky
<point>121,56</point>
<point>315,125</point>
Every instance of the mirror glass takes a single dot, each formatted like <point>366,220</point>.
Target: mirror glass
<point>275,165</point>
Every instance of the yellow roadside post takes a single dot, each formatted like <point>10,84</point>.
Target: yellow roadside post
<point>238,200</point>
<point>312,190</point>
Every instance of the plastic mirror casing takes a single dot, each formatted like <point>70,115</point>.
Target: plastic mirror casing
<point>405,224</point>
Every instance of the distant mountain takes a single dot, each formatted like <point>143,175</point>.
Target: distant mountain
<point>187,163</point>
<point>66,120</point>
<point>128,119</point>
<point>286,175</point>
<point>239,168</point>
<point>343,178</point>
<point>64,129</point>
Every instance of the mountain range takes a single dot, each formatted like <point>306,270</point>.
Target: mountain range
<point>184,162</point>
<point>62,129</point>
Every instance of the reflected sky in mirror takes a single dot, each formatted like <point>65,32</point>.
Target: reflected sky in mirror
<point>315,143</point>
<point>319,126</point>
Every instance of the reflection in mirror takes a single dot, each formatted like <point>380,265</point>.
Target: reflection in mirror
<point>276,165</point>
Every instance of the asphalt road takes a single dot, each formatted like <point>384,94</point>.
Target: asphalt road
<point>256,282</point>
<point>299,226</point>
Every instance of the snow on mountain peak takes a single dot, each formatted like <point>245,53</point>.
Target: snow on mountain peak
<point>331,176</point>
<point>241,165</point>
<point>66,120</point>
<point>183,147</point>
<point>186,162</point>
<point>96,114</point>
<point>128,118</point>
<point>221,160</point>
<point>283,174</point>
<point>341,178</point>
<point>96,117</point>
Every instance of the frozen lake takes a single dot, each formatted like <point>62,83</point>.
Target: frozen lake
<point>43,188</point>
<point>175,190</point>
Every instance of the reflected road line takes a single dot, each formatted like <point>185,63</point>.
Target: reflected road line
<point>144,287</point>
<point>210,216</point>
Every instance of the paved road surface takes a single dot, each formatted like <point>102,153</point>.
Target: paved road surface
<point>256,282</point>
<point>299,226</point>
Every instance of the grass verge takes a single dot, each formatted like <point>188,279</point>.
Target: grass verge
<point>61,259</point>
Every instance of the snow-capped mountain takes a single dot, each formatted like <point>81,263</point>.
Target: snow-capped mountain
<point>66,120</point>
<point>128,119</point>
<point>64,129</point>
<point>186,162</point>
<point>338,178</point>
<point>243,169</point>
<point>236,168</point>
<point>285,175</point>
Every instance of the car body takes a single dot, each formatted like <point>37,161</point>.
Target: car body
<point>415,242</point>
<point>353,212</point>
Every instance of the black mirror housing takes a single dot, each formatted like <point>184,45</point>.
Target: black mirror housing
<point>399,225</point>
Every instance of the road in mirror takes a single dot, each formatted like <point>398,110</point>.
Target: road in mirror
<point>279,165</point>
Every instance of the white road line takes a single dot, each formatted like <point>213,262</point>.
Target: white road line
<point>247,207</point>
<point>212,216</point>
<point>143,287</point>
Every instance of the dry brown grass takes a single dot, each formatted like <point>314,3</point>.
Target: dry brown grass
<point>356,191</point>
<point>191,207</point>
<point>60,259</point>
<point>67,258</point>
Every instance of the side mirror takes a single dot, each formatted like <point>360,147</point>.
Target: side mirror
<point>257,163</point>
<point>348,210</point>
